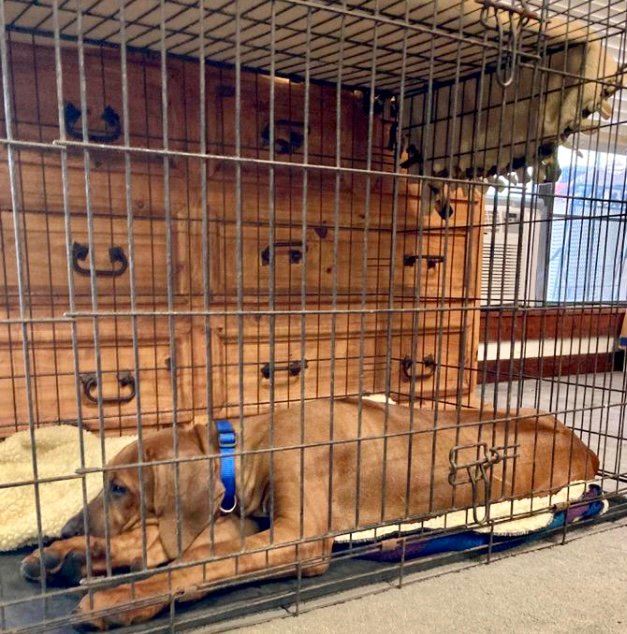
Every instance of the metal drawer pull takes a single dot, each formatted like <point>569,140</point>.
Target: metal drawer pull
<point>293,368</point>
<point>116,254</point>
<point>407,365</point>
<point>294,253</point>
<point>112,125</point>
<point>90,388</point>
<point>288,142</point>
<point>432,260</point>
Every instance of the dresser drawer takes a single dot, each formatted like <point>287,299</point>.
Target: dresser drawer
<point>53,386</point>
<point>465,204</point>
<point>289,116</point>
<point>44,251</point>
<point>35,113</point>
<point>289,119</point>
<point>413,214</point>
<point>429,266</point>
<point>435,364</point>
<point>323,210</point>
<point>290,132</point>
<point>323,262</point>
<point>436,265</point>
<point>286,204</point>
<point>35,118</point>
<point>39,185</point>
<point>322,358</point>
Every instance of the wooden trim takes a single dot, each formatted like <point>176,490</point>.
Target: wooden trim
<point>550,323</point>
<point>502,370</point>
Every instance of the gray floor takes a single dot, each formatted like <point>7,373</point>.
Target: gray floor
<point>577,587</point>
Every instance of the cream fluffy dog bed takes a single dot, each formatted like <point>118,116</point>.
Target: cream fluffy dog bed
<point>58,454</point>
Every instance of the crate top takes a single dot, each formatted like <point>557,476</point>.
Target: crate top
<point>359,43</point>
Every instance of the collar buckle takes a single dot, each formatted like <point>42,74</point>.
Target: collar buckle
<point>227,439</point>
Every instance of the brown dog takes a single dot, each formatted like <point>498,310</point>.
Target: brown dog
<point>344,468</point>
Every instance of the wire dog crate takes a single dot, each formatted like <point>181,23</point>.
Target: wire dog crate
<point>218,210</point>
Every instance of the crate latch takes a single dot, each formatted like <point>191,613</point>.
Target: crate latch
<point>477,472</point>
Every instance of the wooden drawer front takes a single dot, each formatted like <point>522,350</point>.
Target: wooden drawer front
<point>53,387</point>
<point>434,263</point>
<point>438,371</point>
<point>322,150</point>
<point>465,207</point>
<point>39,185</point>
<point>315,365</point>
<point>35,112</point>
<point>286,204</point>
<point>289,261</point>
<point>289,116</point>
<point>430,265</point>
<point>352,206</point>
<point>45,261</point>
<point>35,118</point>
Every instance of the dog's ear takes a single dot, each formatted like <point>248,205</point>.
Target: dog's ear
<point>196,490</point>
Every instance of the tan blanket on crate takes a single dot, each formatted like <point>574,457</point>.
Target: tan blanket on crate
<point>497,133</point>
<point>58,454</point>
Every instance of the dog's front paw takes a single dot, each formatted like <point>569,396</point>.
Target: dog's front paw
<point>115,607</point>
<point>58,566</point>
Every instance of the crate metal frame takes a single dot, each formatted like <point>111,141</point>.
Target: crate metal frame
<point>380,47</point>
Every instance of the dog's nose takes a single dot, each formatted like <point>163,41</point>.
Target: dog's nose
<point>73,527</point>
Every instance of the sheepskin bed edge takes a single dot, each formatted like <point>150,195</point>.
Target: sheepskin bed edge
<point>58,455</point>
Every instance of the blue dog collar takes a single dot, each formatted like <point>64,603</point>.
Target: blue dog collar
<point>227,441</point>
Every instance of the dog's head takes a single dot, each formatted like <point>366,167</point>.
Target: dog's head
<point>181,496</point>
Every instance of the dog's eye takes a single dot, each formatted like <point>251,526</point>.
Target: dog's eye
<point>117,489</point>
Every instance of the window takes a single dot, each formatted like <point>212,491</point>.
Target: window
<point>588,248</point>
<point>561,243</point>
<point>512,233</point>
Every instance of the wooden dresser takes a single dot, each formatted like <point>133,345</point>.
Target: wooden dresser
<point>313,253</point>
<point>127,379</point>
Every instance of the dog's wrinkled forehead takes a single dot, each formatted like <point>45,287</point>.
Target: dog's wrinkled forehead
<point>154,447</point>
<point>158,446</point>
<point>123,469</point>
<point>128,455</point>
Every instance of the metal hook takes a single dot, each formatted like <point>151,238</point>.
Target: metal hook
<point>508,39</point>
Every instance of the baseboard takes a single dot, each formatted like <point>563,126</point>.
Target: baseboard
<point>544,367</point>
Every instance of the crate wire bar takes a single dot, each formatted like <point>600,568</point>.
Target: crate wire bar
<point>214,210</point>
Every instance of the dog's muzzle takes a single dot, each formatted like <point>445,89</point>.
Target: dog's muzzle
<point>75,526</point>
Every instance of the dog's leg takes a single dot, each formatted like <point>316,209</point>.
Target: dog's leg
<point>65,560</point>
<point>259,553</point>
